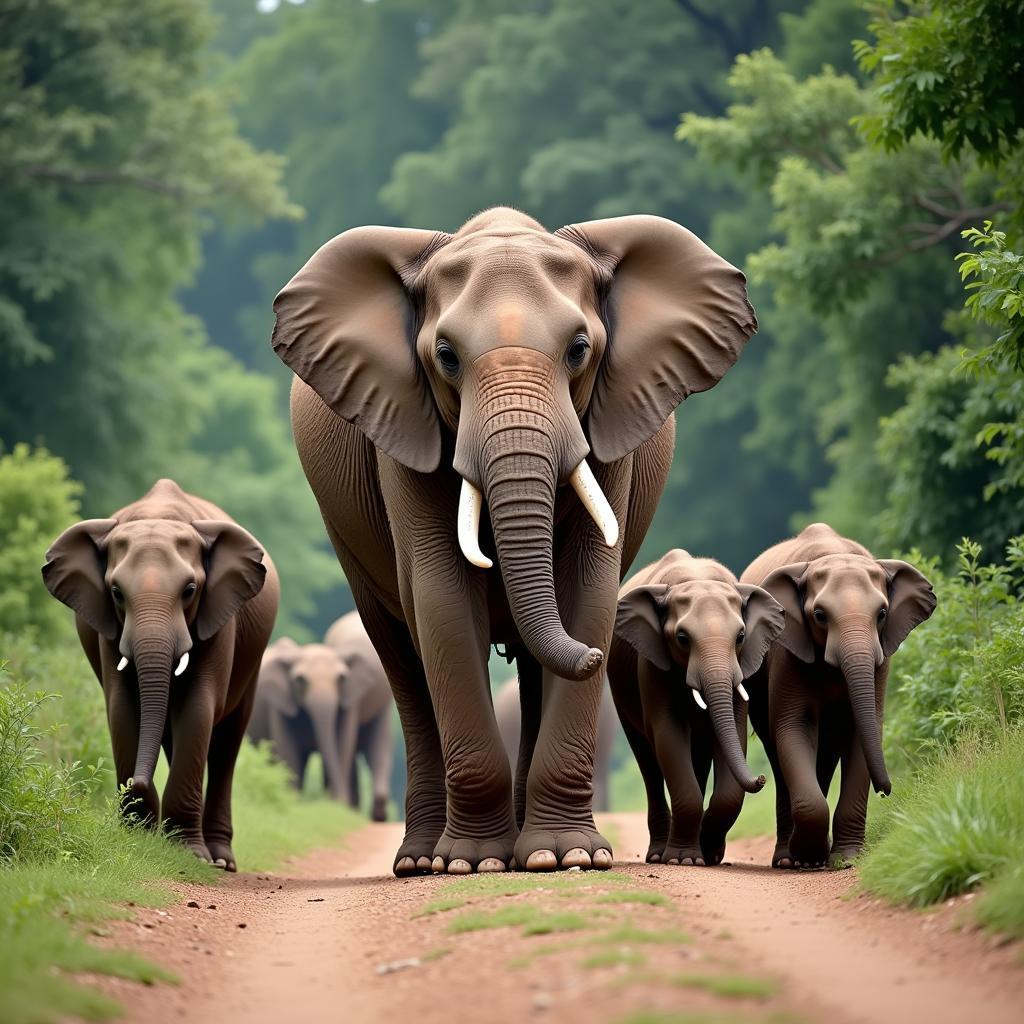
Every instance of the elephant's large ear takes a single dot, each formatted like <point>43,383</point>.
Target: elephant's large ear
<point>763,621</point>
<point>73,573</point>
<point>786,585</point>
<point>234,573</point>
<point>638,621</point>
<point>911,601</point>
<point>275,681</point>
<point>345,326</point>
<point>678,319</point>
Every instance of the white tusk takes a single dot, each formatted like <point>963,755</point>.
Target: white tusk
<point>471,503</point>
<point>122,663</point>
<point>742,692</point>
<point>700,701</point>
<point>182,665</point>
<point>586,486</point>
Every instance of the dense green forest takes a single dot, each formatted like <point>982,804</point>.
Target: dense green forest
<point>159,189</point>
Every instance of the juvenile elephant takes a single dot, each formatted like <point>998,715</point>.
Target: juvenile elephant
<point>174,604</point>
<point>508,712</point>
<point>441,377</point>
<point>331,699</point>
<point>819,698</point>
<point>686,636</point>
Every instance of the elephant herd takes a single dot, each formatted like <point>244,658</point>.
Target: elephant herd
<point>486,420</point>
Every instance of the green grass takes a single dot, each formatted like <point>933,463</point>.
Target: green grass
<point>731,986</point>
<point>956,825</point>
<point>643,896</point>
<point>618,956</point>
<point>533,920</point>
<point>630,934</point>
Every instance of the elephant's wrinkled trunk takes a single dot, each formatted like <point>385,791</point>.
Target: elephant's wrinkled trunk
<point>717,685</point>
<point>325,727</point>
<point>153,651</point>
<point>857,660</point>
<point>520,475</point>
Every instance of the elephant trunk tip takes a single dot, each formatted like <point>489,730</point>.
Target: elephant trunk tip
<point>588,663</point>
<point>757,784</point>
<point>883,787</point>
<point>138,785</point>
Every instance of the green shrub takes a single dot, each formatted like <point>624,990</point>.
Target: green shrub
<point>957,824</point>
<point>964,668</point>
<point>37,501</point>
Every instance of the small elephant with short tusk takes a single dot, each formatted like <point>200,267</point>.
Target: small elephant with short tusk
<point>174,604</point>
<point>818,699</point>
<point>686,636</point>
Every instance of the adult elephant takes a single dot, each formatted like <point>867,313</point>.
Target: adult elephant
<point>333,699</point>
<point>441,376</point>
<point>819,697</point>
<point>508,712</point>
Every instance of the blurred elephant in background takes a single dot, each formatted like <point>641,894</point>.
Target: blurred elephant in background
<point>332,698</point>
<point>508,712</point>
<point>174,604</point>
<point>467,408</point>
<point>819,697</point>
<point>686,636</point>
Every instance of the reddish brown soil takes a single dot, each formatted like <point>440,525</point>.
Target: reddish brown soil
<point>325,941</point>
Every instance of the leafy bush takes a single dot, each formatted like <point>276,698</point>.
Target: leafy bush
<point>964,668</point>
<point>957,824</point>
<point>37,501</point>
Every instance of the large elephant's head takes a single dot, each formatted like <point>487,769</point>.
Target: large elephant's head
<point>530,349</point>
<point>713,635</point>
<point>311,679</point>
<point>853,611</point>
<point>155,586</point>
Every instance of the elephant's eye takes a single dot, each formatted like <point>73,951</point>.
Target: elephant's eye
<point>882,613</point>
<point>820,617</point>
<point>189,591</point>
<point>741,636</point>
<point>683,639</point>
<point>577,351</point>
<point>447,357</point>
<point>117,594</point>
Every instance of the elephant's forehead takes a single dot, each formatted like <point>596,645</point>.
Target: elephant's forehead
<point>319,656</point>
<point>507,255</point>
<point>704,597</point>
<point>153,535</point>
<point>837,571</point>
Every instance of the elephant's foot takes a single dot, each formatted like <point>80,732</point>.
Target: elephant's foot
<point>654,850</point>
<point>843,856</point>
<point>414,855</point>
<point>807,851</point>
<point>690,855</point>
<point>712,845</point>
<point>459,855</point>
<point>576,846</point>
<point>380,809</point>
<point>221,854</point>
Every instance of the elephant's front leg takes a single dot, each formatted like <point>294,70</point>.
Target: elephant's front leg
<point>672,743</point>
<point>191,714</point>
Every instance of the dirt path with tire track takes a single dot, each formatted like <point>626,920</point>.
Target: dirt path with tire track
<point>333,938</point>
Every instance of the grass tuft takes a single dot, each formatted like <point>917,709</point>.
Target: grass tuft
<point>641,896</point>
<point>732,986</point>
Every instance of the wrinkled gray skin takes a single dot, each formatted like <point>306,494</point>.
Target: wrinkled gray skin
<point>333,699</point>
<point>508,712</point>
<point>818,700</point>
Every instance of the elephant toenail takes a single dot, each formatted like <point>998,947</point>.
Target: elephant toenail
<point>699,862</point>
<point>489,864</point>
<point>460,867</point>
<point>422,863</point>
<point>673,860</point>
<point>602,859</point>
<point>405,864</point>
<point>220,862</point>
<point>542,860</point>
<point>437,865</point>
<point>577,857</point>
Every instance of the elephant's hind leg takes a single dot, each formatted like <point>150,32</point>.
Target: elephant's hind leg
<point>425,802</point>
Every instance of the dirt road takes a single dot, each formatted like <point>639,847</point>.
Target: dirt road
<point>335,939</point>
